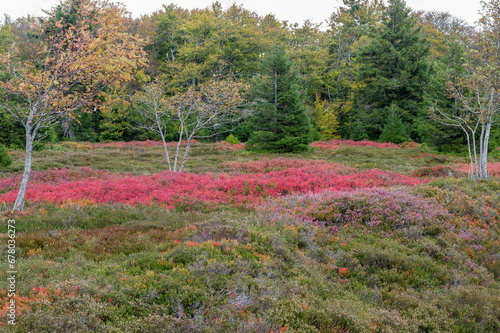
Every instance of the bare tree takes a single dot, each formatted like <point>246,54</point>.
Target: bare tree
<point>476,111</point>
<point>477,92</point>
<point>206,106</point>
<point>155,109</point>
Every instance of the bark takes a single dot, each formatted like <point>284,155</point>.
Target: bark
<point>484,156</point>
<point>160,129</point>
<point>471,168</point>
<point>476,163</point>
<point>188,146</point>
<point>19,203</point>
<point>66,127</point>
<point>166,150</point>
<point>481,152</point>
<point>181,132</point>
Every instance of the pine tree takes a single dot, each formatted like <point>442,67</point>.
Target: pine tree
<point>358,132</point>
<point>393,69</point>
<point>394,129</point>
<point>280,122</point>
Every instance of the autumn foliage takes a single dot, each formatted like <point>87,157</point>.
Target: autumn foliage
<point>170,189</point>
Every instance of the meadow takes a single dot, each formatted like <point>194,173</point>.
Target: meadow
<point>347,237</point>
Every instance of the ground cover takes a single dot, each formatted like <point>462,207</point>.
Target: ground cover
<point>243,242</point>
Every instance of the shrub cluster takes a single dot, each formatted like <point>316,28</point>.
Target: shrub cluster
<point>438,171</point>
<point>266,165</point>
<point>5,159</point>
<point>374,208</point>
<point>189,189</point>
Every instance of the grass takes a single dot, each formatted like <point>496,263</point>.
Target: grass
<point>140,160</point>
<point>119,268</point>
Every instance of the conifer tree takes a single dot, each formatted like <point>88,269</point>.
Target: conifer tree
<point>393,69</point>
<point>358,132</point>
<point>280,122</point>
<point>394,129</point>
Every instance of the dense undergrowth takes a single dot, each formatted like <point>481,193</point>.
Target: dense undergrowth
<point>255,243</point>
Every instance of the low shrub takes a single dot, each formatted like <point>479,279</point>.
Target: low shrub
<point>389,210</point>
<point>5,160</point>
<point>438,171</point>
<point>232,139</point>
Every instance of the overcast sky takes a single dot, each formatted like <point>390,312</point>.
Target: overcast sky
<point>315,10</point>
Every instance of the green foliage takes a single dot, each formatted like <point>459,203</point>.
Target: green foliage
<point>358,132</point>
<point>5,160</point>
<point>189,47</point>
<point>86,126</point>
<point>232,139</point>
<point>261,141</point>
<point>279,106</point>
<point>393,69</point>
<point>12,133</point>
<point>394,130</point>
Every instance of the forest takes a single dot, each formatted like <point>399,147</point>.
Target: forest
<point>216,170</point>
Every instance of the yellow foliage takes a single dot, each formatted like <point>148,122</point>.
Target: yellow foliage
<point>327,118</point>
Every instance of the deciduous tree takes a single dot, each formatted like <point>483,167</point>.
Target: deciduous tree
<point>210,106</point>
<point>477,91</point>
<point>57,67</point>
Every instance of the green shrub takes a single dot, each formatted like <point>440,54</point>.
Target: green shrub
<point>5,160</point>
<point>261,141</point>
<point>394,129</point>
<point>232,139</point>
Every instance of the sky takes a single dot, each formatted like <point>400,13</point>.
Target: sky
<point>315,10</point>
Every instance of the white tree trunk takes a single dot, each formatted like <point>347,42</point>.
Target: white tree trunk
<point>177,150</point>
<point>481,151</point>
<point>476,162</point>
<point>483,159</point>
<point>166,152</point>
<point>188,146</point>
<point>164,146</point>
<point>471,168</point>
<point>19,203</point>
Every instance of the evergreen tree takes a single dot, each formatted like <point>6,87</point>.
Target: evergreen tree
<point>449,37</point>
<point>280,122</point>
<point>359,131</point>
<point>394,130</point>
<point>393,69</point>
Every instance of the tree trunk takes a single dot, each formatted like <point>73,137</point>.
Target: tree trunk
<point>160,129</point>
<point>19,203</point>
<point>166,150</point>
<point>186,152</point>
<point>481,151</point>
<point>181,132</point>
<point>483,159</point>
<point>66,127</point>
<point>475,154</point>
<point>471,167</point>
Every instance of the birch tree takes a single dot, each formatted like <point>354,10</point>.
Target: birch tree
<point>156,111</point>
<point>207,106</point>
<point>477,91</point>
<point>56,67</point>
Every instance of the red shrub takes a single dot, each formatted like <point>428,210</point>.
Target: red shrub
<point>493,168</point>
<point>171,189</point>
